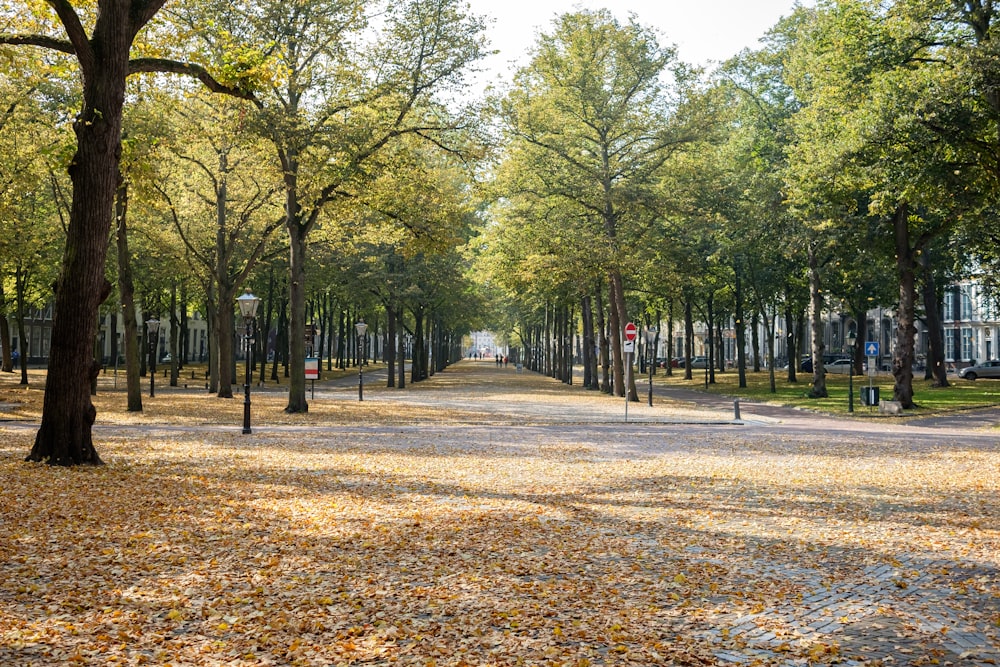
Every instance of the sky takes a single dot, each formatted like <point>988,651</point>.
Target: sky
<point>703,32</point>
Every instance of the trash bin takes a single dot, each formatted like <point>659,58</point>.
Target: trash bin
<point>869,396</point>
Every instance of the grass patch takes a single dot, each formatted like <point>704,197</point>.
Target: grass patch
<point>961,395</point>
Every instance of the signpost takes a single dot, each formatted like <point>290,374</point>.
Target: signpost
<point>631,332</point>
<point>312,372</point>
<point>872,352</point>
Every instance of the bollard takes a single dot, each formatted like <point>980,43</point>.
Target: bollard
<point>736,409</point>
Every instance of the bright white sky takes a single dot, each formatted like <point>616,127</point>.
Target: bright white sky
<point>703,31</point>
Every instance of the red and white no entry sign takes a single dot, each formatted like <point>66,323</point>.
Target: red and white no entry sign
<point>631,331</point>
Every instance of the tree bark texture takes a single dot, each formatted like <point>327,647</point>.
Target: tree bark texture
<point>126,291</point>
<point>816,323</point>
<point>902,357</point>
<point>64,437</point>
<point>296,318</point>
<point>932,314</point>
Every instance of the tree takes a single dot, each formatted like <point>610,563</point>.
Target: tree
<point>225,209</point>
<point>104,59</point>
<point>594,119</point>
<point>335,91</point>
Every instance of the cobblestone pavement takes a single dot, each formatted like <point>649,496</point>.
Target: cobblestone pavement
<point>864,617</point>
<point>901,608</point>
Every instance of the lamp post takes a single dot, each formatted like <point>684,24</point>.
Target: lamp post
<point>361,328</point>
<point>651,332</point>
<point>852,338</point>
<point>248,310</point>
<point>152,332</point>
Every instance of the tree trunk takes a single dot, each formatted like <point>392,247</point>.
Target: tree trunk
<point>710,338</point>
<point>402,346</point>
<point>670,339</point>
<point>688,337</point>
<point>126,292</point>
<point>902,358</point>
<point>932,315</point>
<point>605,353</point>
<point>816,323</point>
<point>755,340</point>
<point>7,363</point>
<point>793,350</point>
<point>296,318</point>
<point>64,437</point>
<point>589,345</point>
<point>20,305</point>
<point>211,319</point>
<point>390,345</point>
<point>174,331</point>
<point>225,334</point>
<point>741,332</point>
<point>615,325</point>
<point>264,332</point>
<point>861,331</point>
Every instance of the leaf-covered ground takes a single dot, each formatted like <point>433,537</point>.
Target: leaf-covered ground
<point>357,542</point>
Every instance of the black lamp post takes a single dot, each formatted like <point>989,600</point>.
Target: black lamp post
<point>852,338</point>
<point>361,328</point>
<point>651,332</point>
<point>248,310</point>
<point>152,336</point>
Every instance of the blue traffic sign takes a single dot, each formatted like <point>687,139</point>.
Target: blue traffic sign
<point>871,349</point>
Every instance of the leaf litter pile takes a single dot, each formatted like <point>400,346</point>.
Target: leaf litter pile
<point>446,544</point>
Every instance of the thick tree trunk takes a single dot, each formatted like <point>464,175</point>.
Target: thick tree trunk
<point>296,319</point>
<point>902,358</point>
<point>224,326</point>
<point>816,323</point>
<point>68,414</point>
<point>126,292</point>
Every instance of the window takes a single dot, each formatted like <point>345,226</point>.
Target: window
<point>949,344</point>
<point>948,311</point>
<point>967,343</point>
<point>966,313</point>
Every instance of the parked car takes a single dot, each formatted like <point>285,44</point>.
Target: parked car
<point>698,362</point>
<point>842,366</point>
<point>987,369</point>
<point>807,361</point>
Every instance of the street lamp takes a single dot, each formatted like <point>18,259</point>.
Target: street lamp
<point>651,332</point>
<point>361,328</point>
<point>852,338</point>
<point>152,330</point>
<point>248,310</point>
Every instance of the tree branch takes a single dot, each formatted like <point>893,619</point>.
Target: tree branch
<point>44,41</point>
<point>77,35</point>
<point>166,66</point>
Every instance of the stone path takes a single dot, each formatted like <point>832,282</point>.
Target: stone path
<point>916,609</point>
